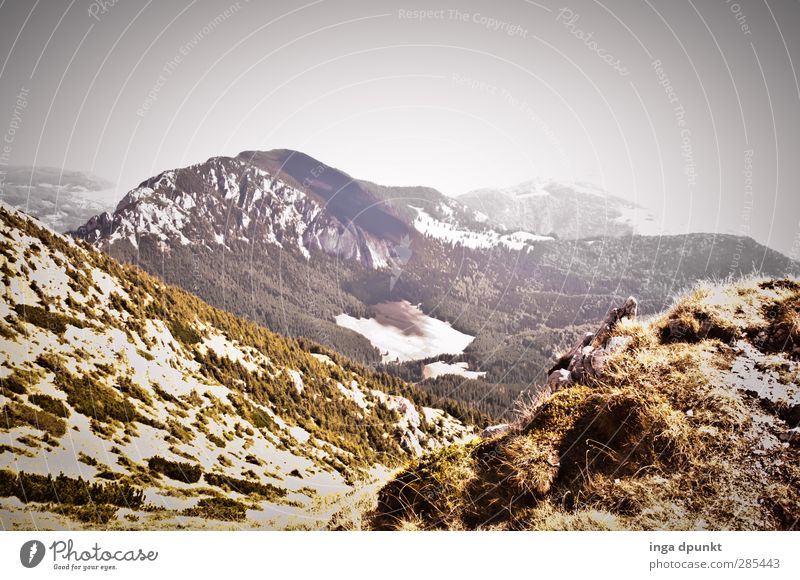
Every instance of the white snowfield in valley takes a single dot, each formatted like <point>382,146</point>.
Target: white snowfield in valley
<point>402,332</point>
<point>440,368</point>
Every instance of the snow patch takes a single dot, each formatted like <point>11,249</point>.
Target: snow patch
<point>354,393</point>
<point>324,358</point>
<point>300,434</point>
<point>297,379</point>
<point>453,233</point>
<point>223,347</point>
<point>440,368</point>
<point>107,285</point>
<point>402,332</point>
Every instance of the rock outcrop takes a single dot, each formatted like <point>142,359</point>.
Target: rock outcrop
<point>587,358</point>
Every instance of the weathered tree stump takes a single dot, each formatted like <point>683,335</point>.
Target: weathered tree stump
<point>587,358</point>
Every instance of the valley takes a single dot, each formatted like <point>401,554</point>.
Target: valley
<point>263,341</point>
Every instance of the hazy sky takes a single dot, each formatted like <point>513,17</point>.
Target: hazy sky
<point>691,108</point>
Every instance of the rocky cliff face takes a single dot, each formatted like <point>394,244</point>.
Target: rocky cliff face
<point>230,201</point>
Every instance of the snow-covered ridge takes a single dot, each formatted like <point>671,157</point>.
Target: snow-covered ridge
<point>227,201</point>
<point>452,232</point>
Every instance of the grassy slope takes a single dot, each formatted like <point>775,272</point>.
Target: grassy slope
<point>217,420</point>
<point>686,431</point>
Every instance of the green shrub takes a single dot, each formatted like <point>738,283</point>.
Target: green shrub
<point>52,321</point>
<point>31,487</point>
<point>14,383</point>
<point>95,400</point>
<point>165,396</point>
<point>177,470</point>
<point>93,514</point>
<point>126,386</point>
<point>244,486</point>
<point>49,404</point>
<point>179,431</point>
<point>215,440</point>
<point>16,414</point>
<point>87,459</point>
<point>145,355</point>
<point>51,362</point>
<point>218,508</point>
<point>7,331</point>
<point>184,333</point>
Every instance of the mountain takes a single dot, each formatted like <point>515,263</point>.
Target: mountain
<point>130,403</point>
<point>566,210</point>
<point>306,250</point>
<point>388,213</point>
<point>62,199</point>
<point>227,200</point>
<point>288,200</point>
<point>282,238</point>
<point>688,420</point>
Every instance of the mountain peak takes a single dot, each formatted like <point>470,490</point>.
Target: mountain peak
<point>290,200</point>
<point>281,198</point>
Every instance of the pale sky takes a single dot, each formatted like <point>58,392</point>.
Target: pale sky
<point>690,108</point>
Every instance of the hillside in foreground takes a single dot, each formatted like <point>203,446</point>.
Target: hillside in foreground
<point>686,421</point>
<point>126,403</point>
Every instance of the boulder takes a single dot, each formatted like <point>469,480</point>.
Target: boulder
<point>587,359</point>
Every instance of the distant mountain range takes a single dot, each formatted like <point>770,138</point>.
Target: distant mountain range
<point>291,243</point>
<point>62,199</point>
<point>564,210</point>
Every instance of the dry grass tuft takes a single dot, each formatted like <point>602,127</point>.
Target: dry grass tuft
<point>781,333</point>
<point>546,516</point>
<point>431,490</point>
<point>696,317</point>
